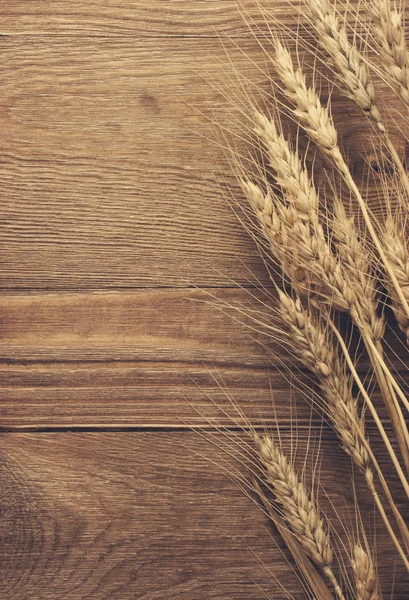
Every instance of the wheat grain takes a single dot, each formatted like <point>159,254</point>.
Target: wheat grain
<point>366,584</point>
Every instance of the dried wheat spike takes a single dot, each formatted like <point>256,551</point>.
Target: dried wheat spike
<point>390,35</point>
<point>314,346</point>
<point>289,173</point>
<point>397,252</point>
<point>354,257</point>
<point>366,583</point>
<point>315,118</point>
<point>299,510</point>
<point>351,70</point>
<point>304,257</point>
<point>357,291</point>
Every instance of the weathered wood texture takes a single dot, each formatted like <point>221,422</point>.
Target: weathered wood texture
<point>113,214</point>
<point>138,515</point>
<point>204,18</point>
<point>111,173</point>
<point>141,358</point>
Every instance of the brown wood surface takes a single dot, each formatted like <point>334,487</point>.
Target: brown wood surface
<point>121,258</point>
<point>139,515</point>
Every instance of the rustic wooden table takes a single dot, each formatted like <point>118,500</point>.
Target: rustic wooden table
<point>114,231</point>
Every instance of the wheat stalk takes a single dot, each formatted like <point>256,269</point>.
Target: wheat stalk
<point>352,71</point>
<point>364,312</point>
<point>318,124</point>
<point>304,257</point>
<point>351,287</point>
<point>315,118</point>
<point>332,265</point>
<point>353,255</point>
<point>314,347</point>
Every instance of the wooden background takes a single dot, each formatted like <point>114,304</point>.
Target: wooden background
<point>115,234</point>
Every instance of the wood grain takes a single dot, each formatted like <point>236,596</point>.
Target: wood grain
<point>135,359</point>
<point>110,171</point>
<point>142,358</point>
<point>137,515</point>
<point>201,18</point>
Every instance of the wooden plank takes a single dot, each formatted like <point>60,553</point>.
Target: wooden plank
<point>142,515</point>
<point>142,18</point>
<point>127,359</point>
<point>106,177</point>
<point>109,174</point>
<point>140,358</point>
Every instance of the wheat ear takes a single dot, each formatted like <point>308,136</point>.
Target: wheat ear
<point>313,579</point>
<point>351,251</point>
<point>304,257</point>
<point>390,36</point>
<point>351,70</point>
<point>398,255</point>
<point>298,508</point>
<point>299,254</point>
<point>366,583</point>
<point>318,124</point>
<point>353,287</point>
<point>297,240</point>
<point>314,347</point>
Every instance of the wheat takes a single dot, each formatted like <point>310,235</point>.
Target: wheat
<point>364,312</point>
<point>289,173</point>
<point>305,258</point>
<point>299,510</point>
<point>352,70</point>
<point>297,240</point>
<point>398,255</point>
<point>314,347</point>
<point>318,124</point>
<point>353,255</point>
<point>334,265</point>
<point>390,35</point>
<point>366,584</point>
<point>315,118</point>
<point>296,235</point>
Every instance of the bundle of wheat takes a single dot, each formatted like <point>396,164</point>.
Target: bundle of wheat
<point>335,256</point>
